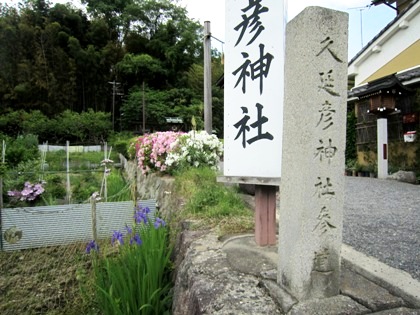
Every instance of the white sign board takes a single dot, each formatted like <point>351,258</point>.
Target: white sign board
<point>254,87</point>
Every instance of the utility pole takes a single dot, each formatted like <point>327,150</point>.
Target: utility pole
<point>3,154</point>
<point>144,112</point>
<point>207,79</point>
<point>114,92</point>
<point>113,105</point>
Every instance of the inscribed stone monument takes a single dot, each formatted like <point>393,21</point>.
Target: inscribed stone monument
<point>311,190</point>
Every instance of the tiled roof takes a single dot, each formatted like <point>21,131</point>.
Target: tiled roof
<point>394,80</point>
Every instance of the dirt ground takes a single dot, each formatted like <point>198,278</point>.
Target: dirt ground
<point>49,280</point>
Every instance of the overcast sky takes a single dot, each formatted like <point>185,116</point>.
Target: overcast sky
<point>364,21</point>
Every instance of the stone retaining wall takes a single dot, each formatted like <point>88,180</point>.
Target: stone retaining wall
<point>152,186</point>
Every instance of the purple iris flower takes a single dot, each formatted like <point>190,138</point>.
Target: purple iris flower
<point>159,222</point>
<point>128,229</point>
<point>117,236</point>
<point>92,246</point>
<point>141,215</point>
<point>136,239</point>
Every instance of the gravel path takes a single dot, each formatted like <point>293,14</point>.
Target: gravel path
<point>382,219</point>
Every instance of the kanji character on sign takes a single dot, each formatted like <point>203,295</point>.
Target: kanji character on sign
<point>328,41</point>
<point>243,128</point>
<point>326,116</point>
<point>259,69</point>
<point>324,151</point>
<point>327,83</point>
<point>251,21</point>
<point>324,221</point>
<point>324,190</point>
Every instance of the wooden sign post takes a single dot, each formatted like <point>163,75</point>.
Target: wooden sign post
<point>265,215</point>
<point>253,109</point>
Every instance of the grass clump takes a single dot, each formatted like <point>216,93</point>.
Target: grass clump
<point>212,203</point>
<point>118,188</point>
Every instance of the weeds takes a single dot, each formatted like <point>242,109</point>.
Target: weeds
<point>214,204</point>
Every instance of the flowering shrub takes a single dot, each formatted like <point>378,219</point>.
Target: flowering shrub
<point>167,151</point>
<point>30,192</point>
<point>135,279</point>
<point>195,149</point>
<point>152,150</point>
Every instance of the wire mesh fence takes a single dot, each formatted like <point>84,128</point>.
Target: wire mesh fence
<point>43,264</point>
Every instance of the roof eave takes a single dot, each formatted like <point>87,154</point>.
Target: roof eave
<point>360,55</point>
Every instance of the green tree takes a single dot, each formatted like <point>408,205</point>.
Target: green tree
<point>142,68</point>
<point>159,105</point>
<point>36,123</point>
<point>97,126</point>
<point>37,72</point>
<point>111,11</point>
<point>86,127</point>
<point>20,149</point>
<point>351,153</point>
<point>10,51</point>
<point>158,28</point>
<point>55,58</point>
<point>195,81</point>
<point>11,123</point>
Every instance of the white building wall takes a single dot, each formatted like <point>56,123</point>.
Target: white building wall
<point>394,41</point>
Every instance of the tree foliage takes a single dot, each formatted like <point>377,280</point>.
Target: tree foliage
<point>20,149</point>
<point>160,105</point>
<point>351,154</point>
<point>58,58</point>
<point>85,127</point>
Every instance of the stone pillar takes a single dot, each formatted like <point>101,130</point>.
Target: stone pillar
<point>312,182</point>
<point>382,134</point>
